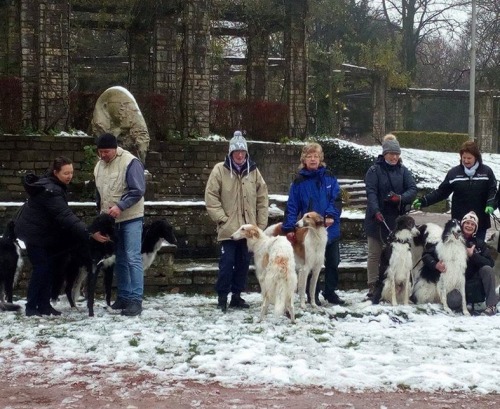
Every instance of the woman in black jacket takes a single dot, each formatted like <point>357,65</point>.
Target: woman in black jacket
<point>473,185</point>
<point>45,224</point>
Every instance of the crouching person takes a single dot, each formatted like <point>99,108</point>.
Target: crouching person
<point>236,194</point>
<point>479,262</point>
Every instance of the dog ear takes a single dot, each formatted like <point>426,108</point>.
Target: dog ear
<point>320,221</point>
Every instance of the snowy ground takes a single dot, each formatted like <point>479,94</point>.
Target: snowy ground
<point>179,337</point>
<point>184,338</point>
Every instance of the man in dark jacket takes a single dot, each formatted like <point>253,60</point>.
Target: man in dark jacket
<point>46,224</point>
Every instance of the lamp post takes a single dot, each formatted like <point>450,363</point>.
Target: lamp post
<point>472,79</point>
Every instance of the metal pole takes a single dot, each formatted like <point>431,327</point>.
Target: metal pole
<point>472,86</point>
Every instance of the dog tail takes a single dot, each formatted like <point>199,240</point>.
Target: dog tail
<point>283,285</point>
<point>7,306</point>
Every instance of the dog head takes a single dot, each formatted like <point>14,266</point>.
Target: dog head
<point>452,231</point>
<point>311,219</point>
<point>405,229</point>
<point>165,231</point>
<point>247,231</point>
<point>105,224</point>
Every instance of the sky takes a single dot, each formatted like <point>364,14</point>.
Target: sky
<point>184,337</point>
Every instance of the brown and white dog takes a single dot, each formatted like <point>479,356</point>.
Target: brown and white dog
<point>274,267</point>
<point>309,250</point>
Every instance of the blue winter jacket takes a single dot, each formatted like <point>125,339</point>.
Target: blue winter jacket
<point>314,190</point>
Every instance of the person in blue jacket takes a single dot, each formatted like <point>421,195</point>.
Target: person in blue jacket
<point>316,189</point>
<point>390,190</point>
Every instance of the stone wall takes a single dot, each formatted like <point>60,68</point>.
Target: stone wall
<point>179,169</point>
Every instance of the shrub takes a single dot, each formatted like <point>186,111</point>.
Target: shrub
<point>432,141</point>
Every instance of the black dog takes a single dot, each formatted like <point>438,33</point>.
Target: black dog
<point>80,261</point>
<point>153,236</point>
<point>10,265</point>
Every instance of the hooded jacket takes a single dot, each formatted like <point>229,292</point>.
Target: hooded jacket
<point>318,191</point>
<point>380,180</point>
<point>46,219</point>
<point>234,198</point>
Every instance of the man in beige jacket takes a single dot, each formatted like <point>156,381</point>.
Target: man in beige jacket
<point>236,194</point>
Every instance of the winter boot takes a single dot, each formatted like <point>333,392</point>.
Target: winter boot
<point>238,302</point>
<point>222,303</point>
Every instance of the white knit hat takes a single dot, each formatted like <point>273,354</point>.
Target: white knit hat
<point>237,143</point>
<point>471,217</point>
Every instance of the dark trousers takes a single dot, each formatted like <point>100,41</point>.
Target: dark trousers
<point>39,288</point>
<point>332,260</point>
<point>233,267</point>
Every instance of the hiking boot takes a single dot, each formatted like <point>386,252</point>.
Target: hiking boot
<point>119,304</point>
<point>132,309</point>
<point>49,311</point>
<point>32,312</point>
<point>334,299</point>
<point>371,290</point>
<point>490,311</point>
<point>222,303</point>
<point>238,302</point>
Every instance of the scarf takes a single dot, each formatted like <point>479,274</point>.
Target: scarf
<point>470,172</point>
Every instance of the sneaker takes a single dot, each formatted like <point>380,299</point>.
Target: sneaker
<point>334,299</point>
<point>222,303</point>
<point>238,302</point>
<point>132,309</point>
<point>119,304</point>
<point>490,311</point>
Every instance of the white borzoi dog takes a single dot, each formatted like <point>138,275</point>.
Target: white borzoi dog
<point>396,264</point>
<point>309,250</point>
<point>433,286</point>
<point>274,267</point>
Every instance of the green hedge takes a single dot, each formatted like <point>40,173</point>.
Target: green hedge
<point>432,141</point>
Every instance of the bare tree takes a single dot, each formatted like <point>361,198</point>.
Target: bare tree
<point>418,22</point>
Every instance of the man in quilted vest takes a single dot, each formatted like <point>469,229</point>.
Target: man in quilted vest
<point>120,183</point>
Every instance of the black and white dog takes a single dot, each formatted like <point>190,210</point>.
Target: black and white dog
<point>79,263</point>
<point>396,263</point>
<point>10,266</point>
<point>432,286</point>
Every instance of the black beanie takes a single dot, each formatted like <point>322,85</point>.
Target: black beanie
<point>107,141</point>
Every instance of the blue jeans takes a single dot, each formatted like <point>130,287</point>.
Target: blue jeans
<point>233,267</point>
<point>129,271</point>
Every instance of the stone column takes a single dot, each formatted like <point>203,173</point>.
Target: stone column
<point>257,55</point>
<point>296,67</point>
<point>379,96</point>
<point>45,63</point>
<point>165,65</point>
<point>484,125</point>
<point>195,78</point>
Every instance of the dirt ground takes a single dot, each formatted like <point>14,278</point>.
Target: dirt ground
<point>18,395</point>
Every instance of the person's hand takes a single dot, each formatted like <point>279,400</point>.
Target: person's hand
<point>470,250</point>
<point>489,210</point>
<point>291,237</point>
<point>417,204</point>
<point>379,217</point>
<point>394,198</point>
<point>97,236</point>
<point>114,211</point>
<point>328,221</point>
